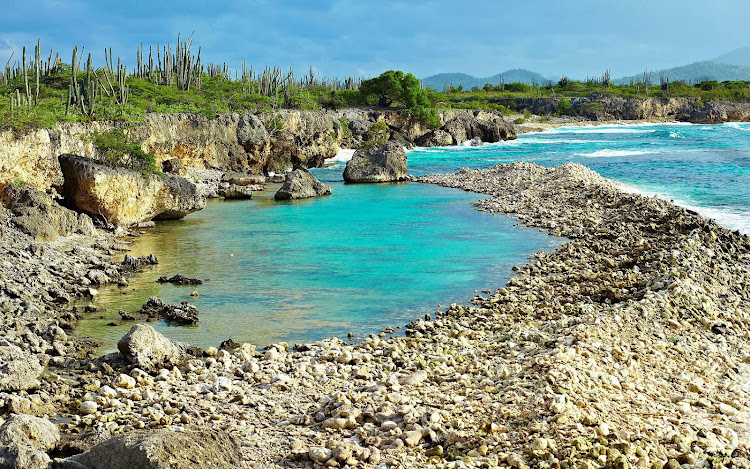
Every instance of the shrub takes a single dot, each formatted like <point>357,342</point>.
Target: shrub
<point>564,108</point>
<point>520,120</point>
<point>115,148</point>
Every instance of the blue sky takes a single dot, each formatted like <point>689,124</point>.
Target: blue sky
<point>365,38</point>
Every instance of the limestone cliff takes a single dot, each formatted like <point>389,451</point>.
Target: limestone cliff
<point>124,197</point>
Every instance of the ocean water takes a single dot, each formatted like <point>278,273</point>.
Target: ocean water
<point>703,167</point>
<point>373,256</point>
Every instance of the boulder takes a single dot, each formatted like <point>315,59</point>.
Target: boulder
<point>162,449</point>
<point>19,369</point>
<point>38,215</point>
<point>144,347</point>
<point>24,441</point>
<point>377,163</point>
<point>435,138</point>
<point>183,314</point>
<point>242,179</point>
<point>233,191</point>
<point>466,127</point>
<point>300,184</point>
<point>125,197</point>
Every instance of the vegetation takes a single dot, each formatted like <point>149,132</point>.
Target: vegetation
<point>114,147</point>
<point>396,88</point>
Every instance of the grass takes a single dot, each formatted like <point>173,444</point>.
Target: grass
<point>118,150</point>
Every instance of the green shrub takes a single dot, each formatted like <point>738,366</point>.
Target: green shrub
<point>115,148</point>
<point>378,133</point>
<point>520,120</point>
<point>564,108</point>
<point>345,127</point>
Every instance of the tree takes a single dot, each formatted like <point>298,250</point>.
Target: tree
<point>395,87</point>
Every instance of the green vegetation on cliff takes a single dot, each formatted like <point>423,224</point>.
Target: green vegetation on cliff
<point>114,147</point>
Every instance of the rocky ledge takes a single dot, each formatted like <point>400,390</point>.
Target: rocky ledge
<point>627,346</point>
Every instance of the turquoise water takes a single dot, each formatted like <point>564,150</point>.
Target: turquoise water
<point>372,256</point>
<point>704,167</point>
<point>365,258</point>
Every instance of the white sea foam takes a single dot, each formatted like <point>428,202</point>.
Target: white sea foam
<point>607,153</point>
<point>342,156</point>
<point>730,218</point>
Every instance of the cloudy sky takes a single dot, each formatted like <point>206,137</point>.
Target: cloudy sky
<point>354,37</point>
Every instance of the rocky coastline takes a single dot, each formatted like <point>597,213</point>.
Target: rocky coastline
<point>624,347</point>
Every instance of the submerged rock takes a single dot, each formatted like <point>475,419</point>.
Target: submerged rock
<point>300,184</point>
<point>180,280</point>
<point>377,163</point>
<point>144,347</point>
<point>162,449</point>
<point>124,197</point>
<point>182,315</point>
<point>38,215</point>
<point>133,263</point>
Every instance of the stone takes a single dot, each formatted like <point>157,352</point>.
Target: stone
<point>146,348</point>
<point>162,449</point>
<point>19,369</point>
<point>24,441</point>
<point>154,309</point>
<point>377,163</point>
<point>237,192</point>
<point>435,138</point>
<point>39,216</point>
<point>88,407</point>
<point>412,438</point>
<point>243,179</point>
<point>320,454</point>
<point>414,379</point>
<point>300,184</point>
<point>124,197</point>
<point>173,166</point>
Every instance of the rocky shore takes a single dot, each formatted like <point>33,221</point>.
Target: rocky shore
<point>625,347</point>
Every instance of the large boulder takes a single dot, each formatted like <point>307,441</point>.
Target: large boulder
<point>125,197</point>
<point>24,441</point>
<point>466,127</point>
<point>144,347</point>
<point>162,449</point>
<point>234,191</point>
<point>19,369</point>
<point>300,184</point>
<point>377,163</point>
<point>38,215</point>
<point>435,138</point>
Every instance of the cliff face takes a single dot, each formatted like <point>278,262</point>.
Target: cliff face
<point>604,108</point>
<point>259,144</point>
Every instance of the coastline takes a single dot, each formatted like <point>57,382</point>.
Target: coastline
<point>500,346</point>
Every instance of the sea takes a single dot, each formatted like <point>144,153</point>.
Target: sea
<point>374,256</point>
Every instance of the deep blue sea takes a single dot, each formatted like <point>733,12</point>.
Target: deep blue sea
<point>372,256</point>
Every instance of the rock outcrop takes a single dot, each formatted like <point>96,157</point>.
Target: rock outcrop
<point>24,442</point>
<point>162,449</point>
<point>147,349</point>
<point>41,217</point>
<point>377,163</point>
<point>300,184</point>
<point>234,191</point>
<point>19,369</point>
<point>124,197</point>
<point>183,314</point>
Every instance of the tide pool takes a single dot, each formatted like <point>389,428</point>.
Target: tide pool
<point>365,258</point>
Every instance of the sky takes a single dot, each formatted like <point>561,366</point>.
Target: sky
<point>364,38</point>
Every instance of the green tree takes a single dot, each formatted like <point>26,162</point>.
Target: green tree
<point>396,88</point>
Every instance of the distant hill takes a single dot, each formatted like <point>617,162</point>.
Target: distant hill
<point>437,82</point>
<point>697,72</point>
<point>739,57</point>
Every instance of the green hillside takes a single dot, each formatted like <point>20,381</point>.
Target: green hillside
<point>739,57</point>
<point>696,73</point>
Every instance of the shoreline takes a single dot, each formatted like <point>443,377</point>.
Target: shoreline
<point>501,345</point>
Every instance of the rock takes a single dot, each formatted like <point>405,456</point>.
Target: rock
<point>19,369</point>
<point>300,184</point>
<point>320,454</point>
<point>253,137</point>
<point>39,216</point>
<point>150,351</point>
<point>180,280</point>
<point>414,379</point>
<point>173,166</point>
<point>234,191</point>
<point>435,138</point>
<point>154,309</point>
<point>88,408</point>
<point>242,179</point>
<point>133,263</point>
<point>24,441</point>
<point>162,449</point>
<point>124,197</point>
<point>377,163</point>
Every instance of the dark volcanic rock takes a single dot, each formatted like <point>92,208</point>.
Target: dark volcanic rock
<point>300,184</point>
<point>155,309</point>
<point>180,280</point>
<point>377,163</point>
